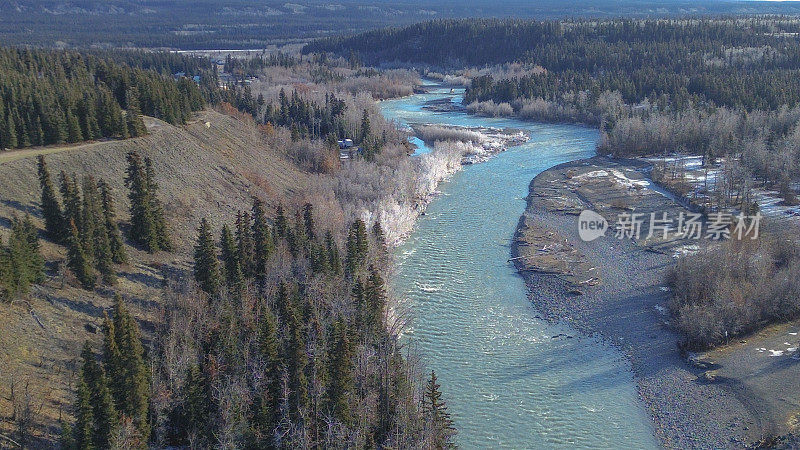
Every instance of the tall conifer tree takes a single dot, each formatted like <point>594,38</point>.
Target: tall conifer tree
<point>51,207</point>
<point>230,258</point>
<point>78,261</point>
<point>118,253</point>
<point>206,265</point>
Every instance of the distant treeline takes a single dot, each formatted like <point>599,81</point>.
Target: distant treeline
<point>249,24</point>
<point>54,97</point>
<point>750,63</point>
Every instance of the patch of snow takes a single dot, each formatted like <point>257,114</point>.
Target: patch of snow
<point>627,182</point>
<point>593,174</point>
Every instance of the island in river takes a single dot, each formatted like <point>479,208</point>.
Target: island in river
<point>731,397</point>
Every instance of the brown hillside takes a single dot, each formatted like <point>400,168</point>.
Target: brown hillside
<point>209,168</point>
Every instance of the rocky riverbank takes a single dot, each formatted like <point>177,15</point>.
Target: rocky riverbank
<point>458,146</point>
<point>615,288</point>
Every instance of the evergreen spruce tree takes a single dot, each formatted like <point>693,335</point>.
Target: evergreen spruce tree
<point>206,265</point>
<point>196,404</point>
<point>357,246</point>
<point>95,232</point>
<point>51,207</point>
<point>267,406</point>
<point>308,221</point>
<point>375,302</point>
<point>112,359</point>
<point>21,263</point>
<point>318,257</point>
<point>133,115</point>
<point>58,130</point>
<point>25,232</point>
<point>263,244</point>
<point>74,133</point>
<point>83,432</point>
<point>77,261</point>
<point>142,228</point>
<point>283,302</point>
<point>230,258</point>
<point>377,232</point>
<point>297,363</point>
<point>159,221</point>
<point>358,295</point>
<point>148,225</point>
<point>365,127</point>
<point>72,201</point>
<point>104,412</point>
<point>91,219</point>
<point>118,253</point>
<point>67,440</point>
<point>132,390</point>
<point>38,132</point>
<point>380,245</point>
<point>9,135</point>
<point>332,251</point>
<point>438,419</point>
<point>244,244</point>
<point>281,224</point>
<point>23,137</point>
<point>341,374</point>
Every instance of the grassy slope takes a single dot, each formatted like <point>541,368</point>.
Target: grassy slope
<point>203,171</point>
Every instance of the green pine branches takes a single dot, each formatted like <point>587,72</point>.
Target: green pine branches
<point>21,263</point>
<point>148,225</point>
<point>113,395</point>
<point>86,225</point>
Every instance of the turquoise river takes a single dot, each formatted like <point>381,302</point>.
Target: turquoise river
<point>507,381</point>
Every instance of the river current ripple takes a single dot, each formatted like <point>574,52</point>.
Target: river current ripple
<point>508,383</point>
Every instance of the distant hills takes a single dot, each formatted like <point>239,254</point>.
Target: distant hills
<point>231,24</point>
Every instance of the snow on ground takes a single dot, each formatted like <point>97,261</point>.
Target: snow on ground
<point>700,178</point>
<point>619,178</point>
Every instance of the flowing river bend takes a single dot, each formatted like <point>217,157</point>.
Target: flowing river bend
<point>507,381</point>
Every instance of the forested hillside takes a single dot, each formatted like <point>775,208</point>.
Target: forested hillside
<point>219,283</point>
<point>248,24</point>
<point>721,88</point>
<point>749,63</point>
<point>56,97</point>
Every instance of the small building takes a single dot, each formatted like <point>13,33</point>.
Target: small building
<point>345,144</point>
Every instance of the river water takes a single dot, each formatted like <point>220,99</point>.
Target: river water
<point>507,381</point>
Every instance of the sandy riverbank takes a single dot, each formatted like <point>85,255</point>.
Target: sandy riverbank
<point>730,397</point>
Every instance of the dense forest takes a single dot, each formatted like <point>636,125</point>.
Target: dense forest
<point>747,63</point>
<point>278,330</point>
<point>56,97</point>
<point>283,341</point>
<point>721,88</point>
<point>247,24</point>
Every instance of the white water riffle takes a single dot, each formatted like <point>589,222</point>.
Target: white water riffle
<point>511,380</point>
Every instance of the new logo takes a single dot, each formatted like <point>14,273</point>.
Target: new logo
<point>591,225</point>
